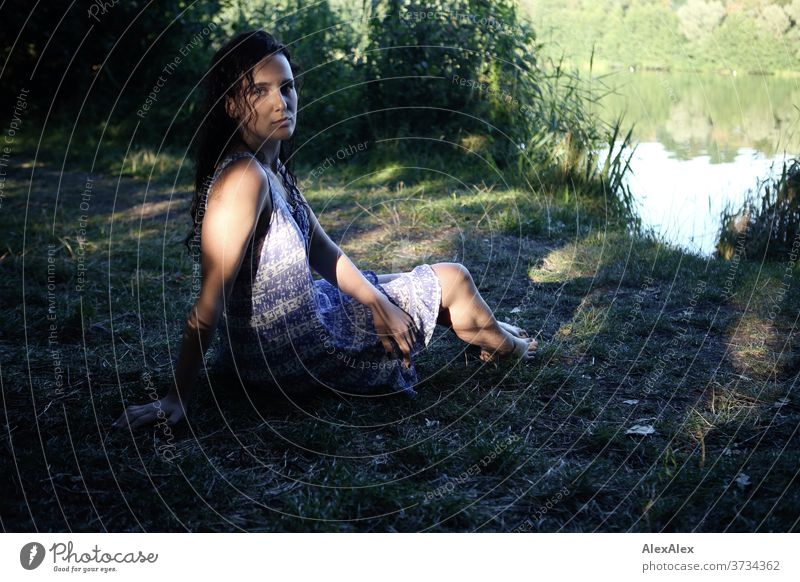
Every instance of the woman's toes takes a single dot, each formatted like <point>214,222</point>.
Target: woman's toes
<point>513,329</point>
<point>522,346</point>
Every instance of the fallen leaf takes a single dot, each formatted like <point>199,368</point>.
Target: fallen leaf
<point>742,480</point>
<point>641,429</point>
<point>631,402</point>
<point>781,402</point>
<point>516,310</point>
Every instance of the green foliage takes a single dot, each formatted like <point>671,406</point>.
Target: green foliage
<point>773,20</point>
<point>742,35</point>
<point>698,18</point>
<point>83,67</point>
<point>449,70</point>
<point>465,77</point>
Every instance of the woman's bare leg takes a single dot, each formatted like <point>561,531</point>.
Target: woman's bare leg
<point>464,310</point>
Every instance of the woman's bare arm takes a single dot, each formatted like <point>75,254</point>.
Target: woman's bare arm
<point>391,322</point>
<point>237,200</point>
<point>331,262</point>
<point>230,219</point>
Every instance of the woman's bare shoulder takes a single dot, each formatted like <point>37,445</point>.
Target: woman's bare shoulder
<point>240,181</point>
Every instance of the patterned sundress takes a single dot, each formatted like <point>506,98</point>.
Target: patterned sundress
<point>284,331</point>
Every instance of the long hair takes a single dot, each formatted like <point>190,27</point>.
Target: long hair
<point>230,74</point>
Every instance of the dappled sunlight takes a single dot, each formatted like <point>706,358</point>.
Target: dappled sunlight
<point>567,262</point>
<point>151,236</point>
<point>388,173</point>
<point>758,351</point>
<point>383,247</point>
<point>150,210</point>
<point>149,162</point>
<point>587,321</point>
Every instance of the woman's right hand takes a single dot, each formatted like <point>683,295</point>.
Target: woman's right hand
<point>393,324</point>
<point>167,409</point>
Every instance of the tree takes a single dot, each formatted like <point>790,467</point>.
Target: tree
<point>699,18</point>
<point>773,19</point>
<point>793,11</point>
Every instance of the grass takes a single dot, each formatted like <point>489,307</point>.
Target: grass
<point>631,332</point>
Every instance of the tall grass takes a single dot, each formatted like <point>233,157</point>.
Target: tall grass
<point>567,140</point>
<point>767,225</point>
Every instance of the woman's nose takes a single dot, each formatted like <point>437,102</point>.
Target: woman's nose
<point>281,104</point>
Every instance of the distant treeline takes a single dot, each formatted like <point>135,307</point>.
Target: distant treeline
<point>746,36</point>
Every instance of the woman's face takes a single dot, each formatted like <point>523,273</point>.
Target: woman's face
<point>273,99</point>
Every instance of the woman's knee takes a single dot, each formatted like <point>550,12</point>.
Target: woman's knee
<point>453,277</point>
<point>455,271</point>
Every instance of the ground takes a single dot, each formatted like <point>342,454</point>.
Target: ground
<point>664,396</point>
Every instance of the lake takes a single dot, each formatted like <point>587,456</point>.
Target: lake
<point>703,142</point>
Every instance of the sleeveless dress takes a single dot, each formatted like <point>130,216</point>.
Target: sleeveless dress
<point>283,331</point>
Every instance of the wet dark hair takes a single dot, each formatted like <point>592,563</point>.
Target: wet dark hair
<point>232,64</point>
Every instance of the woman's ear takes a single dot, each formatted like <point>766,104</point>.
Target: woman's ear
<point>230,107</point>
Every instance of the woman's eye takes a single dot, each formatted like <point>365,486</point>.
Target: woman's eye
<point>288,86</point>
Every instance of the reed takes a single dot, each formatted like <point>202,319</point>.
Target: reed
<point>767,225</point>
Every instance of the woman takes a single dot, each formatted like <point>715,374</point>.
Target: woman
<point>259,240</point>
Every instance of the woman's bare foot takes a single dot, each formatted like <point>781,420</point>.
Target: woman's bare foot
<point>512,329</point>
<point>523,346</point>
<point>523,349</point>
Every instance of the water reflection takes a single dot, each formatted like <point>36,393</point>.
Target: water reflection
<point>704,141</point>
<point>682,200</point>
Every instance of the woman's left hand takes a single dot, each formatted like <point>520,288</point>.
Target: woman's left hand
<point>393,324</point>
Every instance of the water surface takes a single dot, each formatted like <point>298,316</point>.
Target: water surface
<point>703,142</point>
